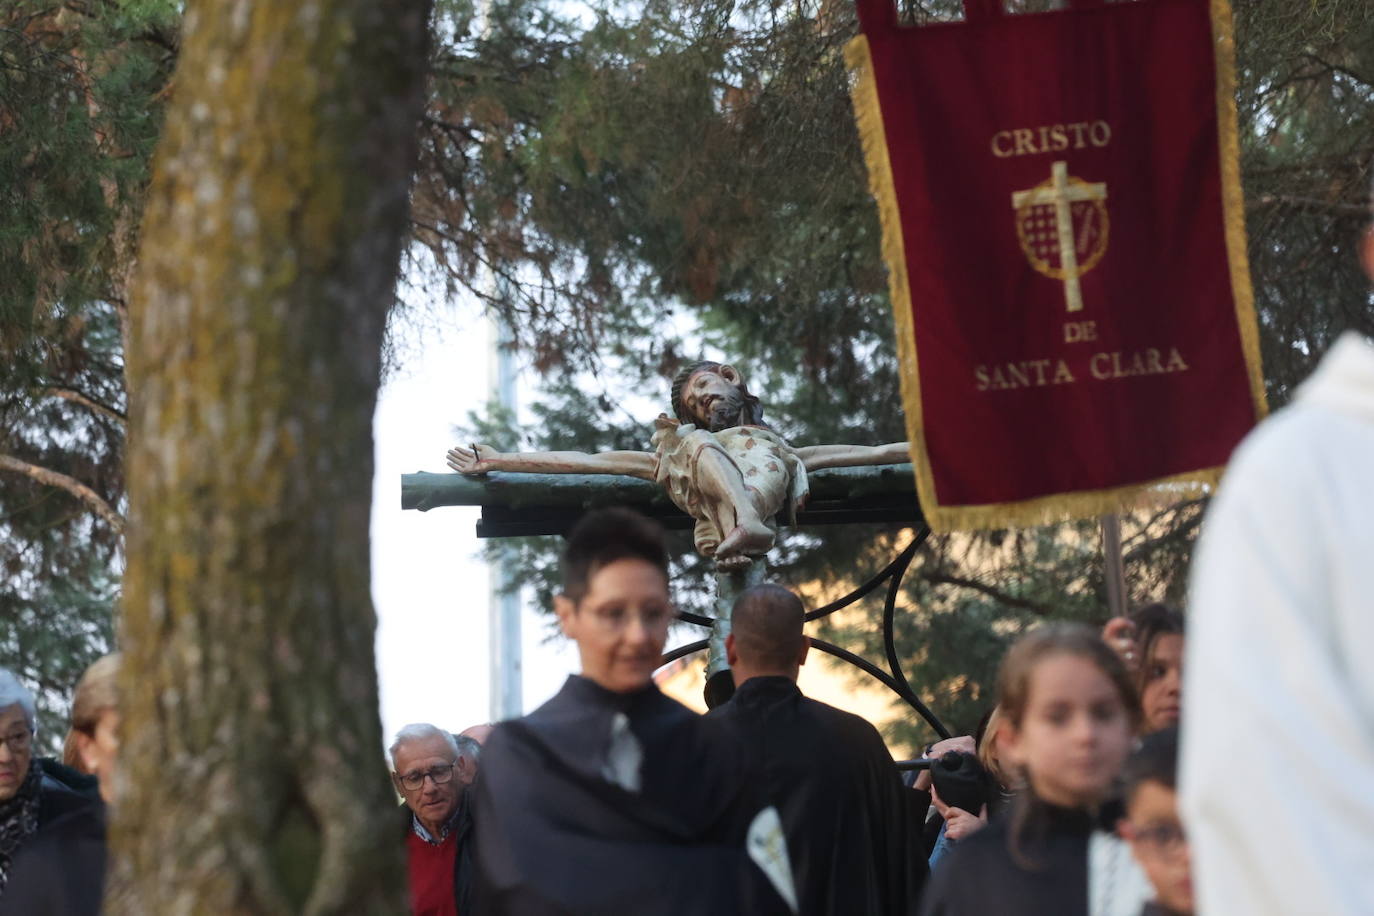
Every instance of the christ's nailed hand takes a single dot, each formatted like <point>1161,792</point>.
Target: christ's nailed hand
<point>478,459</point>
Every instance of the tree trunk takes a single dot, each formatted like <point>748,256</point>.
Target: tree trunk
<point>254,779</point>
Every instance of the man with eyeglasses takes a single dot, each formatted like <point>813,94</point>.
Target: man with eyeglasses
<point>424,762</point>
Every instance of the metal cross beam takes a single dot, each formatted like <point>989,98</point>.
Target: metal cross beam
<point>519,505</point>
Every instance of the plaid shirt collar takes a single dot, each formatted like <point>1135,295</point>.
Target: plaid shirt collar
<point>444,831</point>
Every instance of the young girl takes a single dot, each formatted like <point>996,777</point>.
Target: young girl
<point>1069,713</point>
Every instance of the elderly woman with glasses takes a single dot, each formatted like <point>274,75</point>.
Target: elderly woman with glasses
<point>29,800</point>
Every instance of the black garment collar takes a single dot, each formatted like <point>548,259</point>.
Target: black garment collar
<point>586,690</point>
<point>1154,909</point>
<point>576,724</point>
<point>1069,820</point>
<point>1073,820</point>
<point>765,689</point>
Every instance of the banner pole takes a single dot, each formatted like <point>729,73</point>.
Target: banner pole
<point>1114,565</point>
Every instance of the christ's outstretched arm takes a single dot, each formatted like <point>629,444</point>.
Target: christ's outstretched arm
<point>815,457</point>
<point>479,459</point>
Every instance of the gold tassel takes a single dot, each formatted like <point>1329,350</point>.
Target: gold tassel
<point>1061,507</point>
<point>868,114</point>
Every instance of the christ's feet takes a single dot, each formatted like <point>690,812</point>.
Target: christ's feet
<point>746,540</point>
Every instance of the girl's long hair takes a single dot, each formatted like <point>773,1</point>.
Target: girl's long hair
<point>1013,696</point>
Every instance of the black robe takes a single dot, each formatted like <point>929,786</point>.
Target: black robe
<point>60,870</point>
<point>853,829</point>
<point>980,875</point>
<point>554,835</point>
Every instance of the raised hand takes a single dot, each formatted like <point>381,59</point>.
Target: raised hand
<point>1120,634</point>
<point>960,823</point>
<point>478,459</point>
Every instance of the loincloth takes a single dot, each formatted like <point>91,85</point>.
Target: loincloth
<point>772,474</point>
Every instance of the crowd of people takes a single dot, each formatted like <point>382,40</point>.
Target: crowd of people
<point>614,798</point>
<point>1090,787</point>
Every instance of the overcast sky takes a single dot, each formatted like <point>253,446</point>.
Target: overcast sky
<point>429,583</point>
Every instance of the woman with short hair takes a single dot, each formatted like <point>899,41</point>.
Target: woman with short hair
<point>59,867</point>
<point>611,797</point>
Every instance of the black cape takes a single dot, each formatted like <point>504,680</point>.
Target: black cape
<point>60,870</point>
<point>981,876</point>
<point>554,835</point>
<point>853,829</point>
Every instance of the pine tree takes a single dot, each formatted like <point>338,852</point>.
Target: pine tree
<point>696,165</point>
<point>81,88</point>
<point>251,737</point>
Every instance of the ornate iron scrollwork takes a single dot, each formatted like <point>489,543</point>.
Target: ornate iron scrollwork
<point>894,678</point>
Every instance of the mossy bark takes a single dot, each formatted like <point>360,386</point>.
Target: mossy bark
<point>252,755</point>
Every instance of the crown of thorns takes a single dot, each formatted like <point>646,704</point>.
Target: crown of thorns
<point>680,381</point>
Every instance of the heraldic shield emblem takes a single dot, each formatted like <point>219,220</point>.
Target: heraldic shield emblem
<point>1062,225</point>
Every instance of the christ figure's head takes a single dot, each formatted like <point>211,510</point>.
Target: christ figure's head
<point>714,397</point>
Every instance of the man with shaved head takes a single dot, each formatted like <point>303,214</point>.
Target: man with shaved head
<point>852,832</point>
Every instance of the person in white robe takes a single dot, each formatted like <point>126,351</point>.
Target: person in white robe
<point>1277,780</point>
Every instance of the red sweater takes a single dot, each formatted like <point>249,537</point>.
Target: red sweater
<point>431,875</point>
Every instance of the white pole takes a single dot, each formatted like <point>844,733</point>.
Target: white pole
<point>504,602</point>
<point>1114,565</point>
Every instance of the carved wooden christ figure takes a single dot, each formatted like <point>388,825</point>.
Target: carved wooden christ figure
<point>719,462</point>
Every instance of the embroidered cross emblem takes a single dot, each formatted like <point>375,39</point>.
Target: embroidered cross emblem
<point>1062,225</point>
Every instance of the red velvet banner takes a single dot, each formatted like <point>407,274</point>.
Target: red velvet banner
<point>1062,225</point>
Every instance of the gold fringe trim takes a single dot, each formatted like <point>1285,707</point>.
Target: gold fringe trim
<point>1233,200</point>
<point>1060,507</point>
<point>868,114</point>
<point>1057,507</point>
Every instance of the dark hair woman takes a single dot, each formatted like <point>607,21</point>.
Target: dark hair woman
<point>1159,666</point>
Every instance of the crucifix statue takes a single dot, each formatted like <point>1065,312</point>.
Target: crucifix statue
<point>718,461</point>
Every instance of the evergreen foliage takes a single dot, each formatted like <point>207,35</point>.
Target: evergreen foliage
<point>80,104</point>
<point>696,164</point>
<point>645,182</point>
